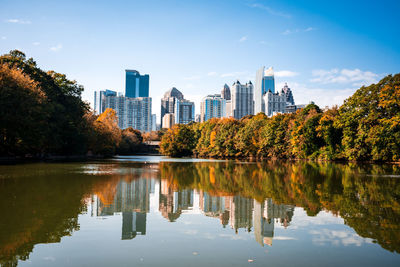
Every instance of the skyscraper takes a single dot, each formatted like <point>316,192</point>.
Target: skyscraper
<point>184,111</point>
<point>136,85</point>
<point>174,103</point>
<point>168,102</point>
<point>288,93</point>
<point>268,81</point>
<point>274,103</point>
<point>265,82</point>
<point>100,100</point>
<point>212,106</point>
<point>226,92</point>
<point>131,112</point>
<point>242,100</point>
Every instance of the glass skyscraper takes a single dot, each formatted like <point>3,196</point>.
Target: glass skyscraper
<point>265,82</point>
<point>212,106</point>
<point>136,85</point>
<point>268,82</point>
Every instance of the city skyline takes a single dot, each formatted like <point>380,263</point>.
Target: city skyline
<point>323,53</point>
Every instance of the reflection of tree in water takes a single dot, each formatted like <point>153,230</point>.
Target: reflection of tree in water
<point>366,196</point>
<point>39,209</point>
<point>41,203</point>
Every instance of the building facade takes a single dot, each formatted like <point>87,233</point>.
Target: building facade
<point>136,85</point>
<point>289,94</point>
<point>100,100</point>
<point>131,112</point>
<point>226,92</point>
<point>274,103</point>
<point>242,102</point>
<point>184,111</point>
<point>168,120</point>
<point>212,106</point>
<point>265,82</point>
<point>168,102</point>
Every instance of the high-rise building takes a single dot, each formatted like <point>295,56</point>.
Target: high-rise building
<point>226,92</point>
<point>265,82</point>
<point>212,106</point>
<point>136,85</point>
<point>274,103</point>
<point>131,112</point>
<point>173,102</point>
<point>153,122</point>
<point>268,81</point>
<point>289,94</point>
<point>168,102</point>
<point>242,100</point>
<point>168,120</point>
<point>184,111</point>
<point>100,100</point>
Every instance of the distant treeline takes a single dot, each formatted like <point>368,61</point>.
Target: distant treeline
<point>42,115</point>
<point>366,127</point>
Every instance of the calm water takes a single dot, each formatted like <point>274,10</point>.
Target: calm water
<point>155,211</point>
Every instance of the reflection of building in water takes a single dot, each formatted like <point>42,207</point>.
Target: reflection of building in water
<point>215,206</point>
<point>172,203</point>
<point>265,215</point>
<point>132,224</point>
<point>133,200</point>
<point>241,210</point>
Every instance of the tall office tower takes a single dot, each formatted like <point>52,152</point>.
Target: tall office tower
<point>226,92</point>
<point>168,120</point>
<point>153,122</point>
<point>168,102</point>
<point>197,118</point>
<point>184,111</point>
<point>136,85</point>
<point>265,81</point>
<point>212,106</point>
<point>131,112</point>
<point>242,100</point>
<point>288,93</point>
<point>100,100</point>
<point>274,103</point>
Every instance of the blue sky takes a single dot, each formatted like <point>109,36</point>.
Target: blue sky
<point>323,50</point>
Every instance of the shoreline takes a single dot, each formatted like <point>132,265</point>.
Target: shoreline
<point>79,158</point>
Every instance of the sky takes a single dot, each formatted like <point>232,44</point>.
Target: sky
<point>324,50</point>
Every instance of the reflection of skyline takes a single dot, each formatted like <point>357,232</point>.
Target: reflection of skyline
<point>132,199</point>
<point>173,202</point>
<point>265,216</point>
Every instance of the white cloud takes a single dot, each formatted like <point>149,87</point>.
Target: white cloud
<point>270,10</point>
<point>303,94</point>
<point>285,73</point>
<point>287,32</point>
<point>356,77</point>
<point>56,48</point>
<point>244,38</point>
<point>3,38</point>
<point>36,43</point>
<point>18,21</point>
<point>336,237</point>
<point>212,73</point>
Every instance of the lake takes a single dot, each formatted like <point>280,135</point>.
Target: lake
<point>157,211</point>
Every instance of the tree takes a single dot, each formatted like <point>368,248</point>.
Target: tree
<point>22,113</point>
